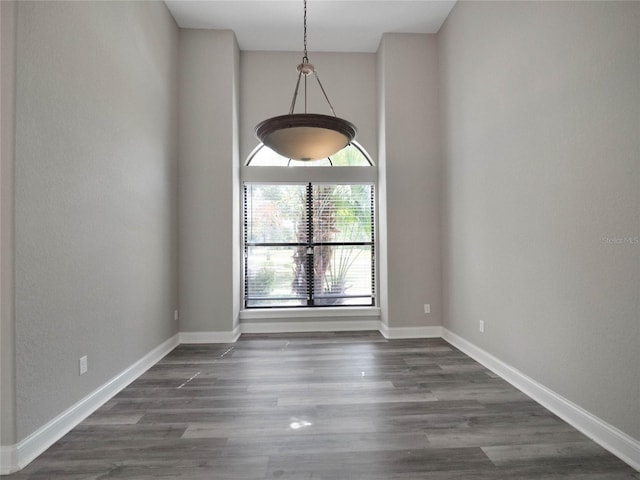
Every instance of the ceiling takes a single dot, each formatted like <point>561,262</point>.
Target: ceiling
<point>332,25</point>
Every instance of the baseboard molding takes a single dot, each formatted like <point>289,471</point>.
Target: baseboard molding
<point>410,332</point>
<point>609,437</point>
<point>18,456</point>
<point>211,337</point>
<point>314,326</point>
<point>8,461</point>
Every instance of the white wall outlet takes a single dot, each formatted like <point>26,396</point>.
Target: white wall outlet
<point>481,326</point>
<point>83,365</point>
<point>175,315</point>
<point>427,308</point>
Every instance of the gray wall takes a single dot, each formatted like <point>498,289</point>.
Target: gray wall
<point>541,118</point>
<point>215,137</point>
<point>209,226</point>
<point>95,193</point>
<point>393,100</point>
<point>410,172</point>
<point>7,323</point>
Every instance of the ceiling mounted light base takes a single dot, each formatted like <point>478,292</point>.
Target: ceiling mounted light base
<point>306,136</point>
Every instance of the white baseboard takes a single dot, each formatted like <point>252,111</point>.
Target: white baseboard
<point>18,456</point>
<point>410,332</point>
<point>211,337</point>
<point>8,461</point>
<point>609,437</point>
<point>314,326</point>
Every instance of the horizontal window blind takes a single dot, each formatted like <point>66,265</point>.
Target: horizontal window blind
<point>310,245</point>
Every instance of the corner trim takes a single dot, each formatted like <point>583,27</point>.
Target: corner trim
<point>609,437</point>
<point>211,337</point>
<point>321,326</point>
<point>410,332</point>
<point>16,457</point>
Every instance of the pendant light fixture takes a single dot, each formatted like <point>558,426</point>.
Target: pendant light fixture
<point>306,136</point>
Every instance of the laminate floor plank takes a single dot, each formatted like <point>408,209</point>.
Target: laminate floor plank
<point>323,406</point>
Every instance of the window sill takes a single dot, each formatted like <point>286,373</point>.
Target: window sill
<point>284,313</point>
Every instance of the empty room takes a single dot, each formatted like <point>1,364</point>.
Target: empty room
<point>320,239</point>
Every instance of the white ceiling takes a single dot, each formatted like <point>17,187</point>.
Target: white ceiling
<point>332,25</point>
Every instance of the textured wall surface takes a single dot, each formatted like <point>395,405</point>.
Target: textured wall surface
<point>410,171</point>
<point>8,11</point>
<point>404,144</point>
<point>95,192</point>
<point>208,181</point>
<point>541,118</point>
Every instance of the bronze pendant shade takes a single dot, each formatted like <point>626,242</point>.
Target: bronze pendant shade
<point>306,136</point>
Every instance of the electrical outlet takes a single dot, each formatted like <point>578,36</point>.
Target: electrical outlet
<point>427,308</point>
<point>481,326</point>
<point>83,365</point>
<point>175,315</point>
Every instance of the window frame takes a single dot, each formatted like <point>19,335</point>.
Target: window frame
<point>275,175</point>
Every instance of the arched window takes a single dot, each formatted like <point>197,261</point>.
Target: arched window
<point>309,236</point>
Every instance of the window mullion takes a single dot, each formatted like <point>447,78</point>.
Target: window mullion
<point>310,255</point>
<point>373,247</point>
<point>246,246</point>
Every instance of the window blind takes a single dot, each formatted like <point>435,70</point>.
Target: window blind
<point>309,245</point>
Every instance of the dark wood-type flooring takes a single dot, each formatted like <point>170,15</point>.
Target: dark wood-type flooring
<point>335,406</point>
